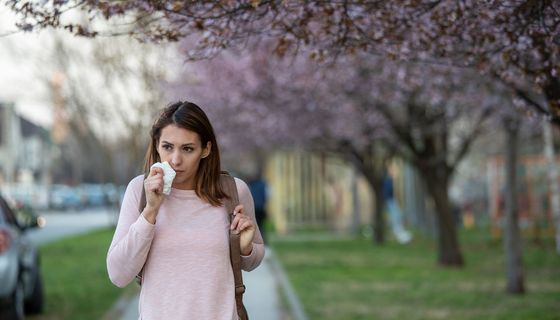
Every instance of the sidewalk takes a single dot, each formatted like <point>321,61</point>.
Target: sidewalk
<point>261,298</point>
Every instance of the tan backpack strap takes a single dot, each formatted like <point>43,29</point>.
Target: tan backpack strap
<point>142,203</point>
<point>229,187</point>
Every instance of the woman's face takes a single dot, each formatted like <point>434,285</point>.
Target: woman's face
<point>183,150</point>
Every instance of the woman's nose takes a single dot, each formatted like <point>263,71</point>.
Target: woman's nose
<point>175,159</point>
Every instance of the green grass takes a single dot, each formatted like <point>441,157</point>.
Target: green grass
<point>352,279</point>
<point>75,278</point>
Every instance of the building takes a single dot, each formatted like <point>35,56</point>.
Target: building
<point>26,154</point>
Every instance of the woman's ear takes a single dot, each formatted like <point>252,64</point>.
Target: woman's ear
<point>207,149</point>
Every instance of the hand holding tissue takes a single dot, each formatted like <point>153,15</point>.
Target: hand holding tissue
<point>168,175</point>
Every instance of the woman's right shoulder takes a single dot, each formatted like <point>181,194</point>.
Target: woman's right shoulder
<point>135,185</point>
<point>137,179</point>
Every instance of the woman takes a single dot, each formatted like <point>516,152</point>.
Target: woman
<point>180,241</point>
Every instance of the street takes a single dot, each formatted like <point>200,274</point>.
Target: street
<point>61,224</point>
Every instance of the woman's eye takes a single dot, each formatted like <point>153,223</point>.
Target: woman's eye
<point>188,149</point>
<point>167,147</point>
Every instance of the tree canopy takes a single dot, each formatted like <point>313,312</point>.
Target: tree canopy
<point>516,41</point>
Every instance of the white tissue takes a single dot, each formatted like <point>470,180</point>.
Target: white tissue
<point>168,175</point>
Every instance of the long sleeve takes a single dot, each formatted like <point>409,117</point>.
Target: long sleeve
<point>132,239</point>
<point>253,260</point>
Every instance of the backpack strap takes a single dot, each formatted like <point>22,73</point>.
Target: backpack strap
<point>229,187</point>
<point>142,203</point>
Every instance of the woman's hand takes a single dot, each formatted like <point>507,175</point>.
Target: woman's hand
<point>153,187</point>
<point>244,225</point>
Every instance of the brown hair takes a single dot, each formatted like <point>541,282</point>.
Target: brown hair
<point>189,116</point>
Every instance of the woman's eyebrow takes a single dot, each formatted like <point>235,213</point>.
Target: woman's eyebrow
<point>184,145</point>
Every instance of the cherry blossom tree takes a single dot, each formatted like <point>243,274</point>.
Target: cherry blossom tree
<point>266,104</point>
<point>428,114</point>
<point>434,114</point>
<point>517,41</point>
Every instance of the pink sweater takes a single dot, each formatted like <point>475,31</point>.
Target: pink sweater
<point>187,270</point>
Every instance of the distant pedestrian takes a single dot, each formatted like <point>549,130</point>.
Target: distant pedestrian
<point>395,215</point>
<point>180,241</point>
<point>259,191</point>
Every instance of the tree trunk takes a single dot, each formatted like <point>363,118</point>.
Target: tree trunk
<point>449,251</point>
<point>378,218</point>
<point>373,172</point>
<point>415,199</point>
<point>552,174</point>
<point>378,221</point>
<point>356,207</point>
<point>512,238</point>
<point>552,93</point>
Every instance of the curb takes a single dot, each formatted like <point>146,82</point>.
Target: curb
<point>294,304</point>
<point>119,308</point>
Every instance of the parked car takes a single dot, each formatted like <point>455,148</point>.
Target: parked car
<point>35,196</point>
<point>63,197</point>
<point>21,285</point>
<point>93,195</point>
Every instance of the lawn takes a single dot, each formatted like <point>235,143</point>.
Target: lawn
<point>75,277</point>
<point>352,279</point>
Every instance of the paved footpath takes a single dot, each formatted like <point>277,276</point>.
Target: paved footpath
<point>261,298</point>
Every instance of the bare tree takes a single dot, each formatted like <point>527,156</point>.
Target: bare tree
<point>111,89</point>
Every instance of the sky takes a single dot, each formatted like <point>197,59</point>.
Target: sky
<point>25,67</point>
<point>19,83</point>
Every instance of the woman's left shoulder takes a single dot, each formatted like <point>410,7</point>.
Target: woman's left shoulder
<point>243,191</point>
<point>241,185</point>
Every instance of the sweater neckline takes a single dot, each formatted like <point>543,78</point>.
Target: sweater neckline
<point>184,194</point>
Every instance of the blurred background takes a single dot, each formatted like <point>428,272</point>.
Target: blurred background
<point>402,155</point>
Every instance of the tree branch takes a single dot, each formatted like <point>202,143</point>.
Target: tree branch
<point>467,142</point>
